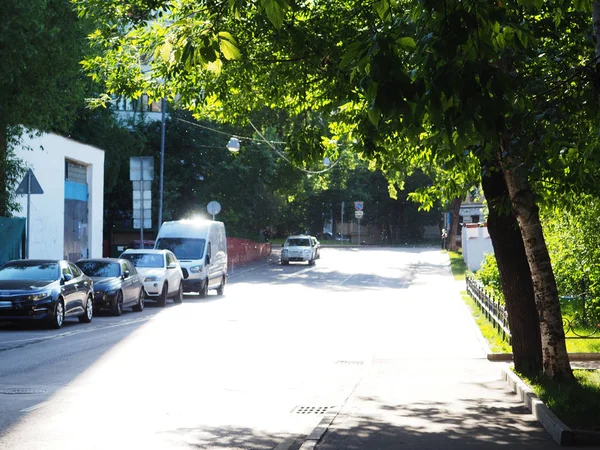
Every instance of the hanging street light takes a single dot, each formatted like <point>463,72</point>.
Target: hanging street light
<point>233,145</point>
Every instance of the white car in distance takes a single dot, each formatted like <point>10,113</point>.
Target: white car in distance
<point>298,248</point>
<point>160,272</point>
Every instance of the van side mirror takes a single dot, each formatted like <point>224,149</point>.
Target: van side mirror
<point>207,260</point>
<point>126,274</point>
<point>172,266</point>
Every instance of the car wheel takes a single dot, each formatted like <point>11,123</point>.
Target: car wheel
<point>221,289</point>
<point>58,317</point>
<point>204,292</point>
<point>140,304</point>
<point>86,317</point>
<point>118,308</point>
<point>162,299</point>
<point>179,296</point>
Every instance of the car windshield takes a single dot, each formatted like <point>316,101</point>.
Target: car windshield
<point>145,259</point>
<point>184,248</point>
<point>32,271</point>
<point>100,268</point>
<point>298,242</point>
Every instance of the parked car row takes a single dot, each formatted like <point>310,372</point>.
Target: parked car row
<point>299,248</point>
<point>51,290</point>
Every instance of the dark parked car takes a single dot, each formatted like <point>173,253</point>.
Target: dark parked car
<point>45,290</point>
<point>117,284</point>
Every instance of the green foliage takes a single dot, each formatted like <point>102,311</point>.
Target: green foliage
<point>490,277</point>
<point>574,246</point>
<point>41,86</point>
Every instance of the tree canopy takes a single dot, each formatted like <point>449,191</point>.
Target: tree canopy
<point>512,84</point>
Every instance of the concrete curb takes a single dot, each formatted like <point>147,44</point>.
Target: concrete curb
<point>560,432</point>
<point>310,443</point>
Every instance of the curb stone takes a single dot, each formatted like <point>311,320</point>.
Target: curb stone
<point>560,432</point>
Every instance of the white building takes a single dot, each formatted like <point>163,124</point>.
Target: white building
<point>67,219</point>
<point>476,242</point>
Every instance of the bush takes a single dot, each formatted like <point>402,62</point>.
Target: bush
<point>490,277</point>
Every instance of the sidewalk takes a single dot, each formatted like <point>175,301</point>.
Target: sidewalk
<point>421,396</point>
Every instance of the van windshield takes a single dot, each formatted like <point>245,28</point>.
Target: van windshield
<point>184,248</point>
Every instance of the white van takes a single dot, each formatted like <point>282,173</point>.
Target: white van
<point>201,248</point>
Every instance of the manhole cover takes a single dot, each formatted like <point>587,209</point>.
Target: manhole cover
<point>13,391</point>
<point>310,409</point>
<point>350,363</point>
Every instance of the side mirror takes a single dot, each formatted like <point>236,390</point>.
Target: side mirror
<point>126,274</point>
<point>282,245</point>
<point>207,260</point>
<point>172,266</point>
<point>66,277</point>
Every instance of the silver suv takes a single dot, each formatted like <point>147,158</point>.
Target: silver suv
<point>298,248</point>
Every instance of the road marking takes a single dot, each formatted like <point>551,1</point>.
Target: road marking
<point>345,279</point>
<point>11,344</point>
<point>34,407</point>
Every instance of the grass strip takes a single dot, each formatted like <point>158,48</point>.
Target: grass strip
<point>491,334</point>
<point>457,265</point>
<point>576,403</point>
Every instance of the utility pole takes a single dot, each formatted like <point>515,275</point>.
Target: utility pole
<point>163,107</point>
<point>342,232</point>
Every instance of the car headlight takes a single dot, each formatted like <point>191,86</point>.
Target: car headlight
<point>195,269</point>
<point>39,296</point>
<point>152,278</point>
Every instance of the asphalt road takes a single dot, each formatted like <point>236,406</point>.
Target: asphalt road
<point>253,369</point>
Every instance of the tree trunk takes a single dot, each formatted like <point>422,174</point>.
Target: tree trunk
<point>515,276</point>
<point>454,216</point>
<point>3,169</point>
<point>554,349</point>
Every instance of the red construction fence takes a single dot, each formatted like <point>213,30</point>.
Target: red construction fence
<point>242,251</point>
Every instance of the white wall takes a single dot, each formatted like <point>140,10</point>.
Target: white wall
<point>476,243</point>
<point>46,156</point>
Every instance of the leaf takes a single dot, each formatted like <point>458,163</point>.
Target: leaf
<point>275,12</point>
<point>407,43</point>
<point>350,54</point>
<point>229,50</point>
<point>165,51</point>
<point>228,36</point>
<point>382,7</point>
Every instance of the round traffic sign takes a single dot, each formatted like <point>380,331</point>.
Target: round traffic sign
<point>213,207</point>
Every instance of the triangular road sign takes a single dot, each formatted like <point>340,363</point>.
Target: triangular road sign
<point>35,185</point>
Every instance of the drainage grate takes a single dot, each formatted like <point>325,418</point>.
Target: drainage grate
<point>310,409</point>
<point>12,391</point>
<point>350,363</point>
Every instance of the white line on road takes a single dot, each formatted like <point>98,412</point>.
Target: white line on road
<point>34,407</point>
<point>345,279</point>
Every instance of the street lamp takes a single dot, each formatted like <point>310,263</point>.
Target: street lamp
<point>233,145</point>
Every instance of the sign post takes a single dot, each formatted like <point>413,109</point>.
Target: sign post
<point>213,208</point>
<point>358,213</point>
<point>29,185</point>
<point>141,174</point>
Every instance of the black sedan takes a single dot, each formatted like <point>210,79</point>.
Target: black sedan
<point>116,284</point>
<point>45,290</point>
